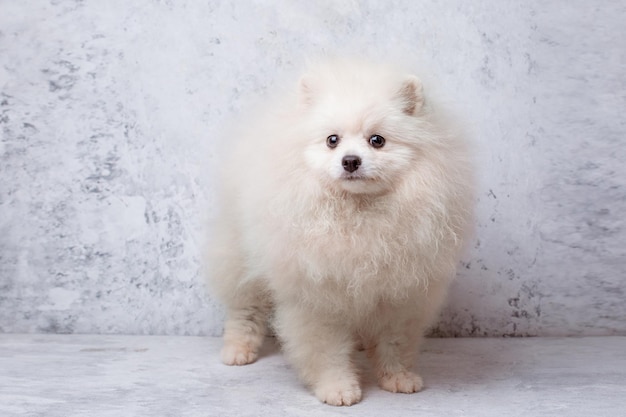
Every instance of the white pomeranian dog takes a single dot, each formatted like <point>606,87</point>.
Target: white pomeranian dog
<point>343,213</point>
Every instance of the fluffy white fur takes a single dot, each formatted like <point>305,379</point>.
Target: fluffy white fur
<point>341,259</point>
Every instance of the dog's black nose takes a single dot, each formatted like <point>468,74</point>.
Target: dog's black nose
<point>351,163</point>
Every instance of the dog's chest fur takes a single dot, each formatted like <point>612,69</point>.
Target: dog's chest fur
<point>354,238</point>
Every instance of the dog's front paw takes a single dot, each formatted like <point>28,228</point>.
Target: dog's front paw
<point>238,354</point>
<point>340,392</point>
<point>404,381</point>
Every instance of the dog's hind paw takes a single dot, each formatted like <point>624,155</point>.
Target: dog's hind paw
<point>235,354</point>
<point>404,381</point>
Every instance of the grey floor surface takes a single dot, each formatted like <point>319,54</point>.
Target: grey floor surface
<point>82,375</point>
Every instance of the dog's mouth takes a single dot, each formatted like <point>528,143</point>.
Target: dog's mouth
<point>351,177</point>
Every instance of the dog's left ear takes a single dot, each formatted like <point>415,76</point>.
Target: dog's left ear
<point>412,95</point>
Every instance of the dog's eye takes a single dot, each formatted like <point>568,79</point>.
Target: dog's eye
<point>332,141</point>
<point>377,141</point>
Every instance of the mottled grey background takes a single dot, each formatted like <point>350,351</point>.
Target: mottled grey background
<point>110,114</point>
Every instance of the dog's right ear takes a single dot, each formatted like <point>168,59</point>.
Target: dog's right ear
<point>307,89</point>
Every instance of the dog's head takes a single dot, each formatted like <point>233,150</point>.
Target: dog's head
<point>362,125</point>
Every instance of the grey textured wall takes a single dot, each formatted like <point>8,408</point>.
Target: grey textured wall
<point>110,113</point>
